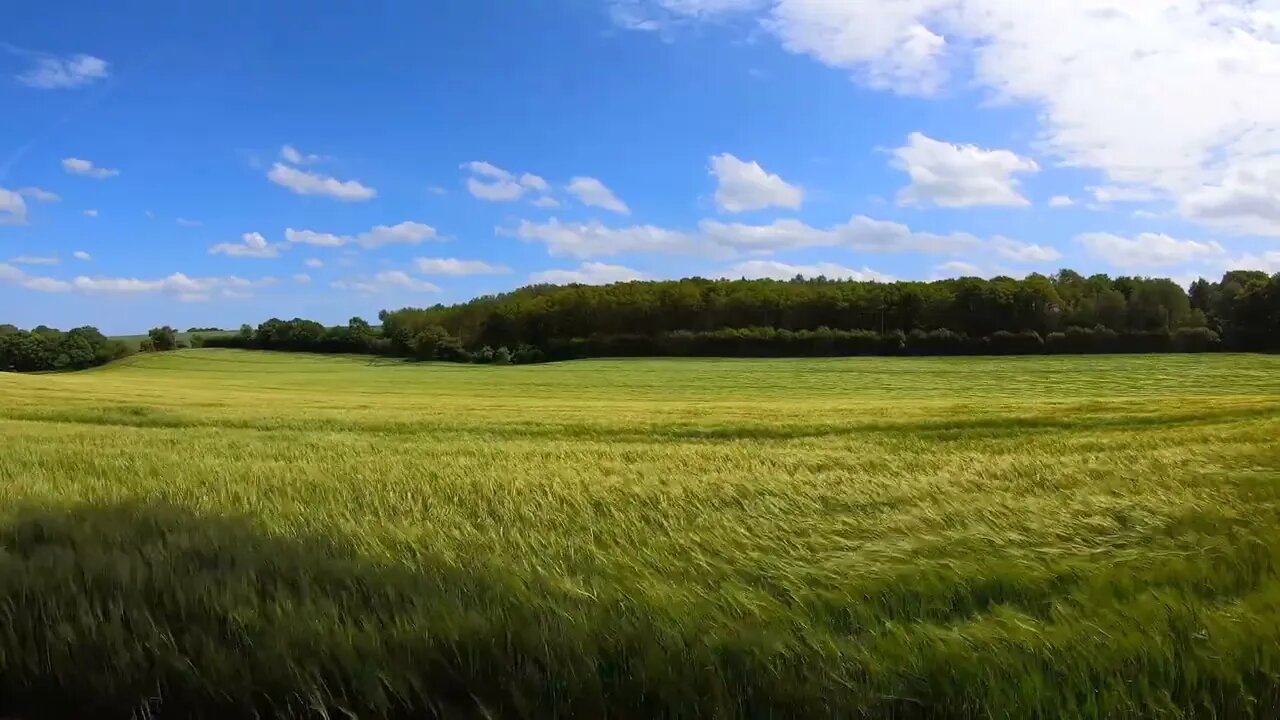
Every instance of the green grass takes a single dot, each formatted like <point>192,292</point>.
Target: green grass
<point>218,533</point>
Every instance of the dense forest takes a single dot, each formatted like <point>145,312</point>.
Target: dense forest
<point>1064,313</point>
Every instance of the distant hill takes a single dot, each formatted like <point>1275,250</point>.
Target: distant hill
<point>183,337</point>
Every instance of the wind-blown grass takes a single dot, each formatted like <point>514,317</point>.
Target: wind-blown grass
<point>219,533</point>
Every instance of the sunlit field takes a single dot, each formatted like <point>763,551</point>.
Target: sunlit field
<point>219,533</point>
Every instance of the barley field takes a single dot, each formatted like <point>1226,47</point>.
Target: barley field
<point>219,533</point>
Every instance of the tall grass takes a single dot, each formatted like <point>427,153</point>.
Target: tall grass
<point>221,533</point>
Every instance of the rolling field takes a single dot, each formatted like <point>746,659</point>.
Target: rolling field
<point>219,533</point>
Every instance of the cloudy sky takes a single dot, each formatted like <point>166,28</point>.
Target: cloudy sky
<point>221,164</point>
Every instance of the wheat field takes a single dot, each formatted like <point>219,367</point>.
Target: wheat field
<point>218,533</point>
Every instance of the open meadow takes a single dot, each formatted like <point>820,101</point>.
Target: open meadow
<point>220,532</point>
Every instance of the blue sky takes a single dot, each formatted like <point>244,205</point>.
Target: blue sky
<point>224,163</point>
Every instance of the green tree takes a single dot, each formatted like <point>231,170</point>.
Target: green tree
<point>163,338</point>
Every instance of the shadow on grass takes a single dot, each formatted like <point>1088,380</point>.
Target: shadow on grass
<point>140,610</point>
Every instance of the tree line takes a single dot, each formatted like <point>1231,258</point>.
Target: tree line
<point>1063,313</point>
<point>45,349</point>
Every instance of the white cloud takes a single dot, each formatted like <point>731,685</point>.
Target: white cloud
<point>386,281</point>
<point>1024,252</point>
<point>1148,250</point>
<point>308,183</point>
<point>594,239</point>
<point>1246,199</point>
<point>437,190</point>
<point>592,273</point>
<point>1268,262</point>
<point>251,245</point>
<point>177,285</point>
<point>769,269</point>
<point>311,237</point>
<point>405,233</point>
<point>301,278</point>
<point>291,154</point>
<point>314,263</point>
<point>184,222</point>
<point>1174,95</point>
<point>78,166</point>
<point>82,255</point>
<point>492,183</point>
<point>860,233</point>
<point>744,186</point>
<point>887,45</point>
<point>453,266</point>
<point>40,194</point>
<point>594,193</point>
<point>955,176</point>
<point>1061,201</point>
<point>13,209</point>
<point>34,260</point>
<point>957,268</point>
<point>534,182</point>
<point>12,275</point>
<point>90,213</point>
<point>73,71</point>
<point>1122,193</point>
<point>718,239</point>
<point>546,201</point>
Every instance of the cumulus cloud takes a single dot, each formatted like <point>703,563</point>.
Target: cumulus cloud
<point>955,176</point>
<point>405,233</point>
<point>314,263</point>
<point>744,186</point>
<point>251,245</point>
<point>39,194</point>
<point>184,222</point>
<point>1095,72</point>
<point>1148,250</point>
<point>303,182</point>
<point>591,273</point>
<point>386,281</point>
<point>13,209</point>
<point>594,193</point>
<point>82,255</point>
<point>1061,201</point>
<point>302,278</point>
<point>50,72</point>
<point>453,266</point>
<point>90,213</point>
<point>490,182</point>
<point>769,269</point>
<point>80,166</point>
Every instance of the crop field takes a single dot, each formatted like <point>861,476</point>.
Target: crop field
<point>221,533</point>
<point>135,341</point>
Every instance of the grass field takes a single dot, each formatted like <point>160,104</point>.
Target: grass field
<point>214,533</point>
<point>184,337</point>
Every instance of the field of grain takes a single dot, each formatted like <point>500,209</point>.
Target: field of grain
<point>217,533</point>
